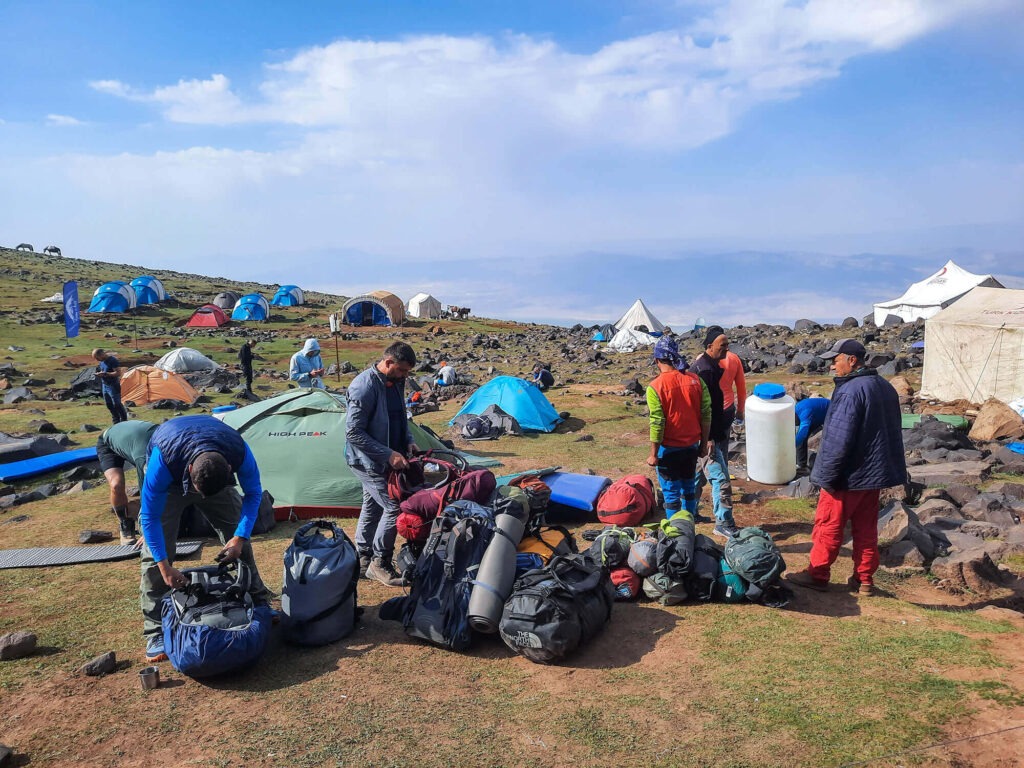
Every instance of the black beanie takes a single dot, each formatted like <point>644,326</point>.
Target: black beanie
<point>713,332</point>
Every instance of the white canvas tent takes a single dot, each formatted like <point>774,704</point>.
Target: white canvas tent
<point>639,315</point>
<point>934,293</point>
<point>628,340</point>
<point>185,360</point>
<point>425,306</point>
<point>974,350</point>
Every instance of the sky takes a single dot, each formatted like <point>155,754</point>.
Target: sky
<point>743,160</point>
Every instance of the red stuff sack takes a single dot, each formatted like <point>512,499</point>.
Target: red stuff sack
<point>626,502</point>
<point>626,582</point>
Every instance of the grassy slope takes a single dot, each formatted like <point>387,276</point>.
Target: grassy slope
<point>832,680</point>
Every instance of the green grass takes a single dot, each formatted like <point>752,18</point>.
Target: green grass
<point>799,510</point>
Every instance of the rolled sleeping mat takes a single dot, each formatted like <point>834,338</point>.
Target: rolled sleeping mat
<point>494,580</point>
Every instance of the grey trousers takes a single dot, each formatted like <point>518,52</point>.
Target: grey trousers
<point>222,511</point>
<point>377,528</point>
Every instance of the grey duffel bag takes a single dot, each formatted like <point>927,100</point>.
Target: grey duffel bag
<point>318,598</point>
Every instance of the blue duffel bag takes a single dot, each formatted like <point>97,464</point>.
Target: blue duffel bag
<point>211,626</point>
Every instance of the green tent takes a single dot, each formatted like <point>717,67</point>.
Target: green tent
<point>298,439</point>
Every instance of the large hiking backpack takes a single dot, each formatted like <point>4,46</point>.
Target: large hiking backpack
<point>626,501</point>
<point>538,491</point>
<point>211,626</point>
<point>555,609</point>
<point>675,549</point>
<point>318,598</point>
<point>419,509</point>
<point>611,547</point>
<point>706,569</point>
<point>752,554</point>
<point>729,587</point>
<point>437,606</point>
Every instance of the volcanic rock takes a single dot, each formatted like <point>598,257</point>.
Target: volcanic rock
<point>17,645</point>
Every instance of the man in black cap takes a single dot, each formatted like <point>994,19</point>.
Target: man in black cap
<point>861,453</point>
<point>713,463</point>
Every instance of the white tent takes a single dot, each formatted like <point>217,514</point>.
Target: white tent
<point>934,293</point>
<point>185,360</point>
<point>639,315</point>
<point>424,305</point>
<point>974,350</point>
<point>628,340</point>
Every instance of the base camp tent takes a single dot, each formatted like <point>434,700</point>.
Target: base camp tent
<point>377,308</point>
<point>252,306</point>
<point>148,290</point>
<point>185,360</point>
<point>226,300</point>
<point>207,316</point>
<point>520,399</point>
<point>628,340</point>
<point>116,296</point>
<point>974,349</point>
<point>424,306</point>
<point>298,439</point>
<point>148,384</point>
<point>639,318</point>
<point>604,333</point>
<point>288,296</point>
<point>934,293</point>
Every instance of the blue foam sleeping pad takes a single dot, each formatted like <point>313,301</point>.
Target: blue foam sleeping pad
<point>19,470</point>
<point>576,491</point>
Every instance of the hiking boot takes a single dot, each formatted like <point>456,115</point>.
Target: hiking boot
<point>865,590</point>
<point>805,579</point>
<point>128,535</point>
<point>726,530</point>
<point>364,564</point>
<point>155,649</point>
<point>383,570</point>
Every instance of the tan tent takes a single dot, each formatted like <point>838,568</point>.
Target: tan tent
<point>377,308</point>
<point>147,384</point>
<point>974,349</point>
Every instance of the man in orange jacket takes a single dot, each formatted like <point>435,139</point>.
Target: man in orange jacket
<point>680,418</point>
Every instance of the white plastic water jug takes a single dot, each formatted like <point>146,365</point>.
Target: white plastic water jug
<point>771,435</point>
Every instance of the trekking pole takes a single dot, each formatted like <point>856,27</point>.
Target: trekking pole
<point>337,358</point>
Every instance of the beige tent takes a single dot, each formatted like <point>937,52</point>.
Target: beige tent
<point>974,349</point>
<point>147,384</point>
<point>376,308</point>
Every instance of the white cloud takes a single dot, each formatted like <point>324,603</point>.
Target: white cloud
<point>63,121</point>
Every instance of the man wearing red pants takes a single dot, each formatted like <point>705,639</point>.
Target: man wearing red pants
<point>861,453</point>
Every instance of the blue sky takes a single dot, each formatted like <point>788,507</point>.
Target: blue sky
<point>747,160</point>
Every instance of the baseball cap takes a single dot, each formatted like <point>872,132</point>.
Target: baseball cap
<point>845,347</point>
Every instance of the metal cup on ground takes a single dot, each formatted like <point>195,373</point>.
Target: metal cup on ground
<point>149,677</point>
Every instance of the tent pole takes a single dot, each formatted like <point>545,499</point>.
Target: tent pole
<point>337,358</point>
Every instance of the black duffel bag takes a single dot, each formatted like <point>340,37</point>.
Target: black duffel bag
<point>557,608</point>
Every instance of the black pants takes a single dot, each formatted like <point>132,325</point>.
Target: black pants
<point>113,402</point>
<point>801,448</point>
<point>247,373</point>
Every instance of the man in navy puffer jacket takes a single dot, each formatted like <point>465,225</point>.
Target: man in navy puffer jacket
<point>861,453</point>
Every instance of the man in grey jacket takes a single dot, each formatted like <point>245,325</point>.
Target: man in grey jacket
<point>378,438</point>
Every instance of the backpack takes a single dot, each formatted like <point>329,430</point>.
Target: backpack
<point>437,606</point>
<point>611,547</point>
<point>478,428</point>
<point>705,571</point>
<point>752,555</point>
<point>420,508</point>
<point>555,609</point>
<point>627,501</point>
<point>318,599</point>
<point>675,549</point>
<point>538,491</point>
<point>265,517</point>
<point>643,555</point>
<point>665,590</point>
<point>536,549</point>
<point>211,626</point>
<point>626,583</point>
<point>729,587</point>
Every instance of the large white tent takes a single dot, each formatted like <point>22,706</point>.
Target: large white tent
<point>639,315</point>
<point>974,349</point>
<point>934,293</point>
<point>425,306</point>
<point>185,360</point>
<point>628,340</point>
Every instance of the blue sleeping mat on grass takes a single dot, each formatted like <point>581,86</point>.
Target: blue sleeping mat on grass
<point>20,470</point>
<point>576,491</point>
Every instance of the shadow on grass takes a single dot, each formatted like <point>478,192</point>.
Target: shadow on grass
<point>836,603</point>
<point>571,424</point>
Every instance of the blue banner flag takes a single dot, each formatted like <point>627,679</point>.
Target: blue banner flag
<point>72,318</point>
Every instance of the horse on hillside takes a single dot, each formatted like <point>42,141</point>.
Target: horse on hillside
<point>52,250</point>
<point>25,247</point>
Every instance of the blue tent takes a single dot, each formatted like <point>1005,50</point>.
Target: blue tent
<point>518,398</point>
<point>116,296</point>
<point>288,296</point>
<point>148,290</point>
<point>252,306</point>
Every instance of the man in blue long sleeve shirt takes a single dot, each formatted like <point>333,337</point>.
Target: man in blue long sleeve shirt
<point>810,418</point>
<point>193,461</point>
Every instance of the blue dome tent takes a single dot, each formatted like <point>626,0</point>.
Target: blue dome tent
<point>115,296</point>
<point>252,306</point>
<point>148,290</point>
<point>518,398</point>
<point>288,296</point>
